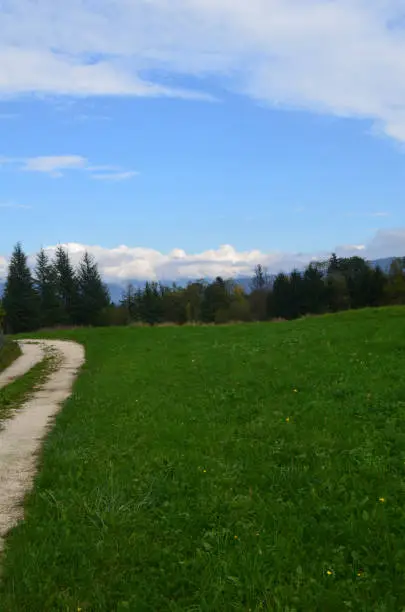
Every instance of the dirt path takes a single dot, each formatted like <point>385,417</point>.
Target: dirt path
<point>21,437</point>
<point>33,353</point>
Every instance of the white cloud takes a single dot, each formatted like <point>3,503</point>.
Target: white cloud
<point>13,205</point>
<point>342,57</point>
<point>55,165</point>
<point>3,267</point>
<point>368,214</point>
<point>124,262</point>
<point>115,176</point>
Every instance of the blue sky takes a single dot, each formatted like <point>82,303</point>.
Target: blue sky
<point>154,133</point>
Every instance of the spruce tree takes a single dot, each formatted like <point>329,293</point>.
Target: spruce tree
<point>280,302</point>
<point>46,285</point>
<point>20,299</point>
<point>67,287</point>
<point>315,298</point>
<point>93,294</point>
<point>129,302</point>
<point>260,280</point>
<point>152,304</point>
<point>216,299</point>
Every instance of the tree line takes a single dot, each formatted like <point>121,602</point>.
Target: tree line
<point>57,294</point>
<point>330,286</point>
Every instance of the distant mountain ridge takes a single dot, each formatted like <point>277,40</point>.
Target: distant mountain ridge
<point>117,289</point>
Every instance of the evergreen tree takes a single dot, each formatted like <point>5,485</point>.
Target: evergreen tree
<point>93,294</point>
<point>279,300</point>
<point>260,280</point>
<point>377,287</point>
<point>67,287</point>
<point>333,264</point>
<point>2,317</point>
<point>174,305</point>
<point>358,275</point>
<point>193,297</point>
<point>130,303</point>
<point>337,292</point>
<point>314,296</point>
<point>216,302</point>
<point>20,299</point>
<point>152,304</point>
<point>395,287</point>
<point>45,283</point>
<point>296,306</point>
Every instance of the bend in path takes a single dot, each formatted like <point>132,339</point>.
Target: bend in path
<point>21,437</point>
<point>32,353</point>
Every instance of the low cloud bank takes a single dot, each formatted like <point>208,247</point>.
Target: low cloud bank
<point>122,263</point>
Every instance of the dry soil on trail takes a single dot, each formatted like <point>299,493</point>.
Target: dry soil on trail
<point>33,353</point>
<point>21,437</point>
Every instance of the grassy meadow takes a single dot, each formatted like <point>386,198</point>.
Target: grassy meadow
<point>247,467</point>
<point>9,353</point>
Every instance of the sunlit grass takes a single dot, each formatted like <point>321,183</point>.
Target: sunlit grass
<point>254,467</point>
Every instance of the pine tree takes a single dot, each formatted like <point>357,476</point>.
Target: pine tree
<point>216,300</point>
<point>377,287</point>
<point>193,297</point>
<point>334,264</point>
<point>2,317</point>
<point>260,280</point>
<point>129,303</point>
<point>67,287</point>
<point>20,299</point>
<point>280,301</point>
<point>93,294</point>
<point>395,288</point>
<point>46,285</point>
<point>152,304</point>
<point>296,307</point>
<point>314,290</point>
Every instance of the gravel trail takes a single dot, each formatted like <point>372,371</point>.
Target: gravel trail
<point>20,440</point>
<point>33,353</point>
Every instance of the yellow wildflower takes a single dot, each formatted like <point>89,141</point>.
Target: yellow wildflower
<point>288,419</point>
<point>329,572</point>
<point>381,500</point>
<point>235,537</point>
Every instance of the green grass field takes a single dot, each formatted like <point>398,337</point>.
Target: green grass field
<point>8,354</point>
<point>247,467</point>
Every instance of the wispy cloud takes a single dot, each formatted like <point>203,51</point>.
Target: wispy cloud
<point>114,176</point>
<point>56,165</point>
<point>368,214</point>
<point>13,205</point>
<point>345,58</point>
